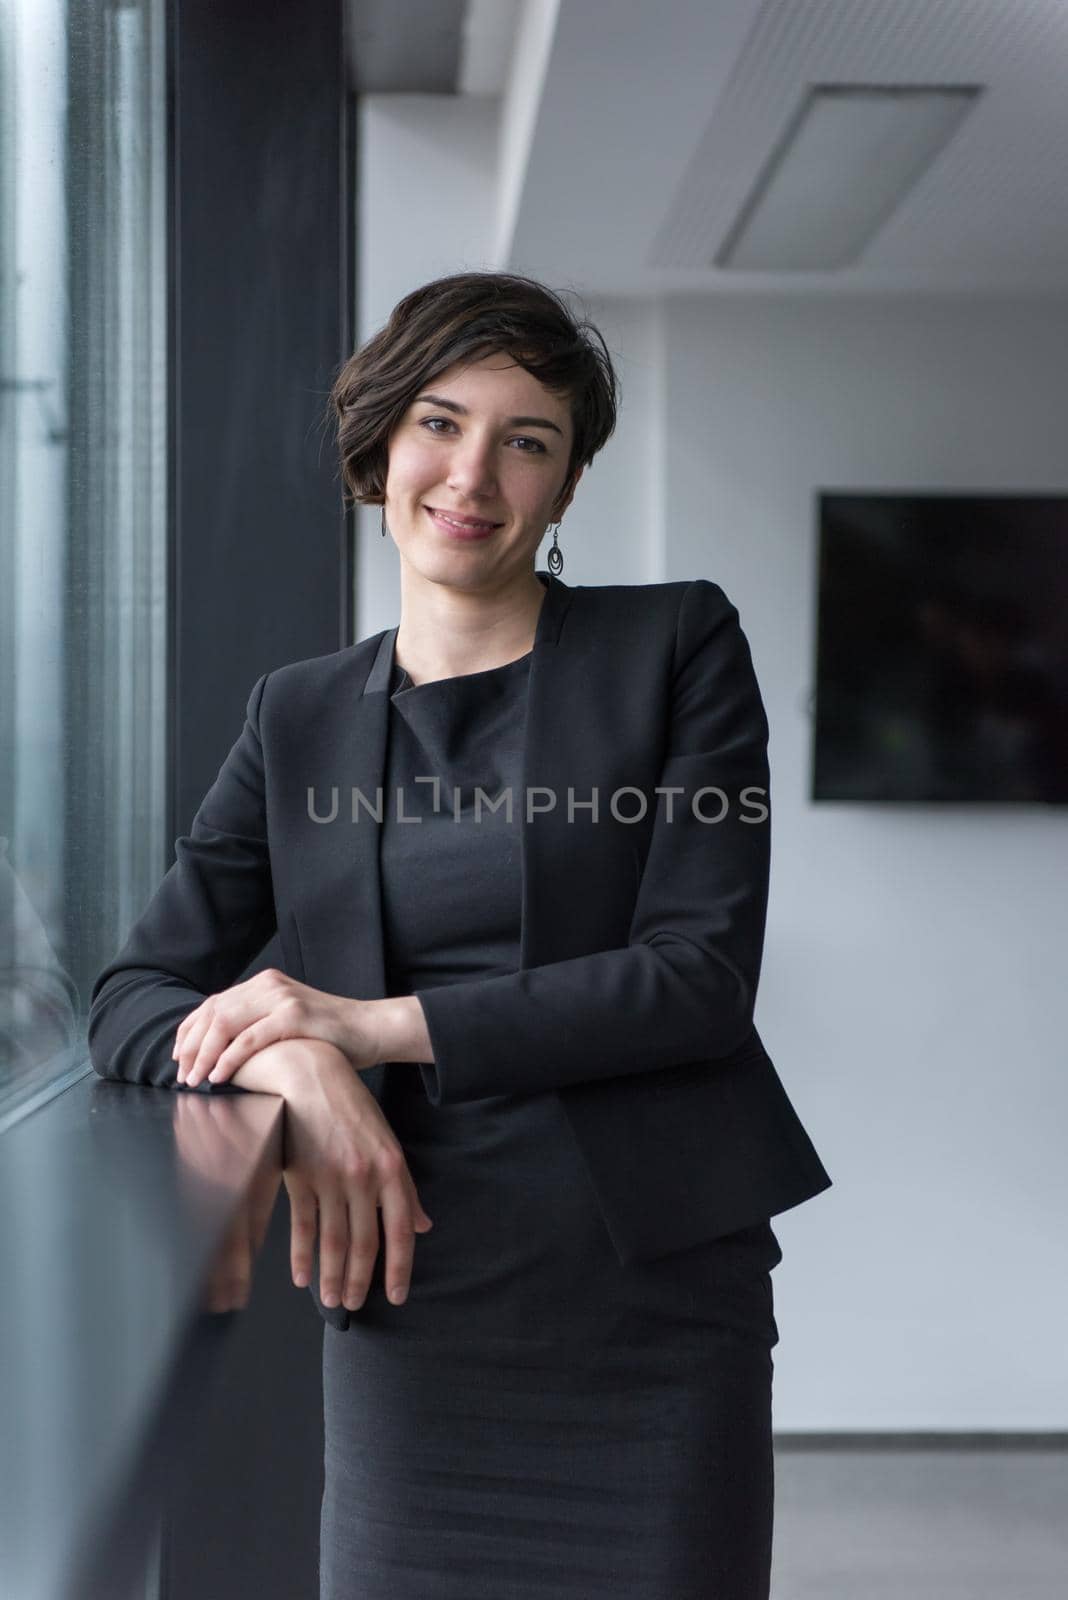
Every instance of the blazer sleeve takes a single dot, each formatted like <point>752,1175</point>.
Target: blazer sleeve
<point>210,917</point>
<point>684,987</point>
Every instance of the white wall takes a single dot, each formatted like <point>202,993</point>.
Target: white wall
<point>914,993</point>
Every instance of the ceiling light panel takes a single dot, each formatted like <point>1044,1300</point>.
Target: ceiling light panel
<point>847,160</point>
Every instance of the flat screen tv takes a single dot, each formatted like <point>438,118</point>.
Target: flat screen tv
<point>942,648</point>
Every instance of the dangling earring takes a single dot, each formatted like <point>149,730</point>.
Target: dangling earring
<point>383,519</point>
<point>556,555</point>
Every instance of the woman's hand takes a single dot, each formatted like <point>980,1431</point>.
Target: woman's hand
<point>344,1163</point>
<point>227,1028</point>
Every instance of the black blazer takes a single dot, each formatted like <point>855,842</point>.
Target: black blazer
<point>642,924</point>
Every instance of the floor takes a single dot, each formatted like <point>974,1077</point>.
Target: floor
<point>952,1523</point>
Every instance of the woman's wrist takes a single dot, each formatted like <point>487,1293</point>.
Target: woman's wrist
<point>401,1028</point>
<point>271,1070</point>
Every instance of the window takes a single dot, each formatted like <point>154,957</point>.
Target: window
<point>83,512</point>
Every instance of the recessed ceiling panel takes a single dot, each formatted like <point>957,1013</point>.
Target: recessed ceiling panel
<point>990,210</point>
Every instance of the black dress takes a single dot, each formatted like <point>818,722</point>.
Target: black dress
<point>536,1420</point>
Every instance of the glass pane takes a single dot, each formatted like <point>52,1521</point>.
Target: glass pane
<point>83,510</point>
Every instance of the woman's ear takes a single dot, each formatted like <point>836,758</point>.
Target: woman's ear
<point>566,496</point>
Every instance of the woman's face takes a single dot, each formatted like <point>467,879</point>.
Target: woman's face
<point>488,445</point>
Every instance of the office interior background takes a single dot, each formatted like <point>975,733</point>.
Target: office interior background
<point>203,208</point>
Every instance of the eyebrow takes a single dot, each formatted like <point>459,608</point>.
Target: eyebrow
<point>513,422</point>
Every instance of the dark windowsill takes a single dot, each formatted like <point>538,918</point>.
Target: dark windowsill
<point>116,1200</point>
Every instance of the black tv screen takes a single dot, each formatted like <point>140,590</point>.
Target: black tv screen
<point>942,648</point>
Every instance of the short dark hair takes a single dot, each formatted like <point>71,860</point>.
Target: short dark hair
<point>467,316</point>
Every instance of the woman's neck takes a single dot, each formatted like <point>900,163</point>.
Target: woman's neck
<point>446,632</point>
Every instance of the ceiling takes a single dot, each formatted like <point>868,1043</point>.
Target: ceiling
<point>654,122</point>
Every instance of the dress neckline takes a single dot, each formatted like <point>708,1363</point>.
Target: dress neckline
<point>404,685</point>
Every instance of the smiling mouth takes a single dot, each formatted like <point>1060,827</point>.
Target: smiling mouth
<point>463,524</point>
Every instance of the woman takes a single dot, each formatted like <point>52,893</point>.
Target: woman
<point>520,971</point>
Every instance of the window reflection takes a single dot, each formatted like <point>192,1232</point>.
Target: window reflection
<point>83,504</point>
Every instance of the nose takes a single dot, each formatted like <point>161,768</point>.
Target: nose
<point>471,467</point>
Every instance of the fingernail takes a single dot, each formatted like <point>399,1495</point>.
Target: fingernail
<point>214,1075</point>
<point>397,1296</point>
